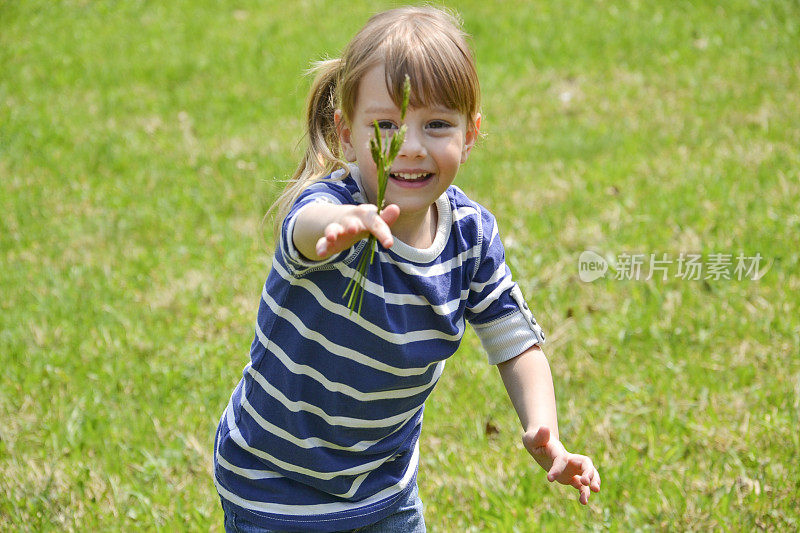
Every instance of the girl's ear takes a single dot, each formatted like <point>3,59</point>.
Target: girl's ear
<point>345,135</point>
<point>473,131</point>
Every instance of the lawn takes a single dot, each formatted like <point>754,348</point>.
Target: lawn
<point>142,142</point>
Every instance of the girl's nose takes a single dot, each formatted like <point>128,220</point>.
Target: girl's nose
<point>413,145</point>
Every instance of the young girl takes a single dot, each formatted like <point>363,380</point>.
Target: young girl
<point>321,433</point>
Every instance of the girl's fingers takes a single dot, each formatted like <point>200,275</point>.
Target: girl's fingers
<point>379,226</point>
<point>333,230</point>
<point>383,235</point>
<point>559,464</point>
<point>390,214</point>
<point>579,471</point>
<point>583,490</point>
<point>353,227</point>
<point>588,470</point>
<point>323,247</point>
<point>595,484</point>
<point>363,220</point>
<point>584,494</point>
<point>333,234</point>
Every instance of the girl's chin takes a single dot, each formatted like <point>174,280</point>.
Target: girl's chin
<point>411,206</point>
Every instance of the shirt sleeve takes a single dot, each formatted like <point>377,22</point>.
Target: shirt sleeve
<point>321,192</point>
<point>495,305</point>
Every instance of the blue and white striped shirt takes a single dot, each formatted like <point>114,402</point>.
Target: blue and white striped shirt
<point>321,432</point>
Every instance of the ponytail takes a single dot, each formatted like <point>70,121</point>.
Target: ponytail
<point>323,141</point>
<point>323,153</point>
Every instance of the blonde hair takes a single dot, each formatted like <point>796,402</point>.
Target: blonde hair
<point>425,43</point>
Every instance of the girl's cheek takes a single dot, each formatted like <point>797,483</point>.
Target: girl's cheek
<point>368,166</point>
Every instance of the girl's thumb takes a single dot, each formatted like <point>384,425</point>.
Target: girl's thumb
<point>390,214</point>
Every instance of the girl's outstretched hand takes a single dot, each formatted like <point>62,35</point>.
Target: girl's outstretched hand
<point>355,225</point>
<point>562,466</point>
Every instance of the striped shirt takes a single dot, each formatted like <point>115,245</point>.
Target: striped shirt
<point>321,433</point>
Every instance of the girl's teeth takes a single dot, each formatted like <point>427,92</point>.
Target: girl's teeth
<point>408,177</point>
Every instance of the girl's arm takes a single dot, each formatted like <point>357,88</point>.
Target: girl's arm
<point>529,383</point>
<point>322,229</point>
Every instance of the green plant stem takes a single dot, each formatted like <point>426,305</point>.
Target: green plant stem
<point>383,154</point>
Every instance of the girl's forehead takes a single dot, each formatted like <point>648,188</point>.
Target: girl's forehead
<point>378,109</point>
<point>374,96</point>
<point>373,84</point>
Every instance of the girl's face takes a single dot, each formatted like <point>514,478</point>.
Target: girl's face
<point>438,140</point>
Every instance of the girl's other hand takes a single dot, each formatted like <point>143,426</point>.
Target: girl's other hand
<point>562,466</point>
<point>357,224</point>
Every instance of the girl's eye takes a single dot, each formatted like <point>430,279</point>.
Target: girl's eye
<point>438,124</point>
<point>386,125</point>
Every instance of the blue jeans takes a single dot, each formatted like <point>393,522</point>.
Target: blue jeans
<point>406,519</point>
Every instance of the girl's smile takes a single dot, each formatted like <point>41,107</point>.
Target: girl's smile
<point>438,140</point>
<point>410,178</point>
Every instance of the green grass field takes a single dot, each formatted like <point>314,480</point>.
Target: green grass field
<point>141,143</point>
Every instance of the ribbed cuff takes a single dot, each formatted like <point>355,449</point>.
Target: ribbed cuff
<point>509,336</point>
